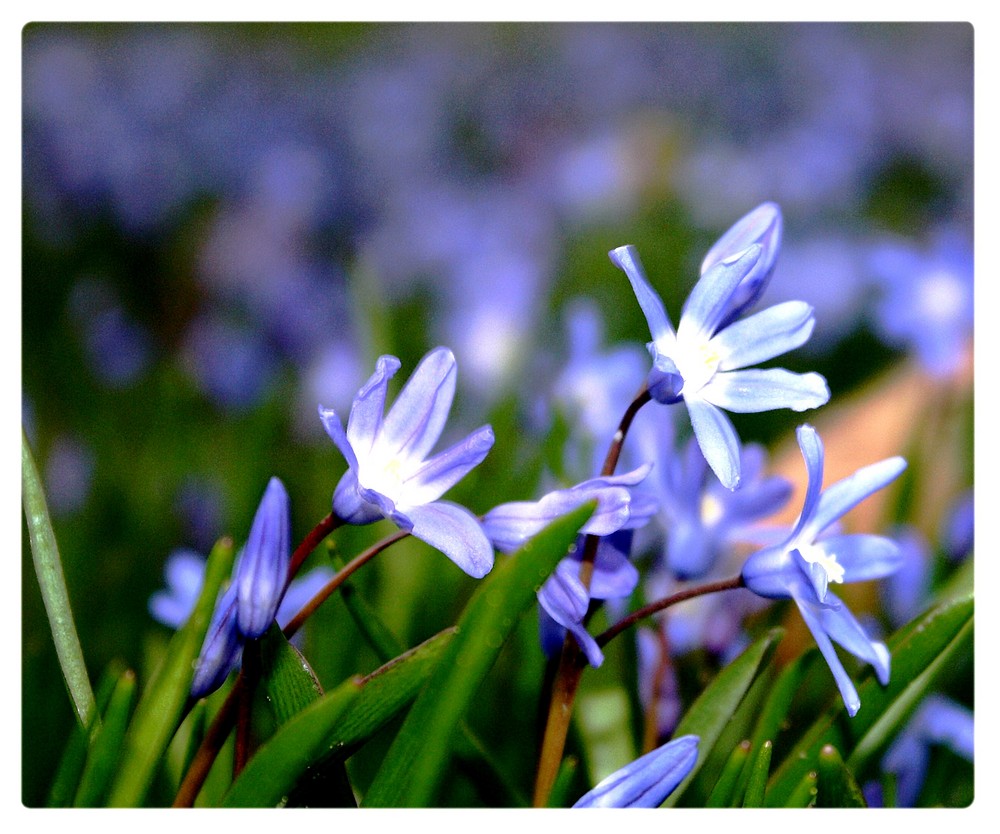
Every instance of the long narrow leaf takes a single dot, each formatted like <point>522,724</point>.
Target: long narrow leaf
<point>836,785</point>
<point>52,584</point>
<point>919,652</point>
<point>105,749</point>
<point>710,712</point>
<point>416,761</point>
<point>724,795</point>
<point>161,706</point>
<point>759,766</point>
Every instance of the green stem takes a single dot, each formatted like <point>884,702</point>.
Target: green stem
<point>51,581</point>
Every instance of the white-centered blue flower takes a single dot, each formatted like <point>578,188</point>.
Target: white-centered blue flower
<point>647,781</point>
<point>807,563</point>
<point>706,361</point>
<point>389,474</point>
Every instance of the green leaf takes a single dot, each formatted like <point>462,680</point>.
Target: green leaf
<point>920,651</point>
<point>162,704</point>
<point>322,735</point>
<point>710,712</point>
<point>836,785</point>
<point>271,774</point>
<point>803,795</point>
<point>55,596</point>
<point>759,766</point>
<point>416,761</point>
<point>286,678</point>
<point>74,758</point>
<point>724,794</point>
<point>775,709</point>
<point>106,747</point>
<point>559,796</point>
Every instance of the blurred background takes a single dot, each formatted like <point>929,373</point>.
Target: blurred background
<point>224,225</point>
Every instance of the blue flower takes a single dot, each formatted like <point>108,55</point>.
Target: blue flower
<point>927,303</point>
<point>647,781</point>
<point>701,517</point>
<point>222,648</point>
<point>705,362</point>
<point>937,721</point>
<point>564,601</point>
<point>388,476</point>
<point>263,567</point>
<point>510,525</point>
<point>806,563</point>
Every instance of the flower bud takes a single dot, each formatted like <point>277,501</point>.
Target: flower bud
<point>263,568</point>
<point>647,781</point>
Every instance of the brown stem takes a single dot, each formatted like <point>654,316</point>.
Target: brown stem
<point>659,605</point>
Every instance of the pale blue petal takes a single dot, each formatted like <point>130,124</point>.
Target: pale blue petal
<point>626,258</point>
<point>587,644</point>
<point>708,303</point>
<point>844,495</point>
<point>848,692</point>
<point>811,446</point>
<point>690,550</point>
<point>417,417</point>
<point>335,429</point>
<point>647,781</point>
<point>446,469</point>
<point>764,335</point>
<point>263,567</point>
<point>718,440</point>
<point>863,556</point>
<point>350,503</point>
<point>301,591</point>
<point>842,627</point>
<point>614,577</point>
<point>365,419</point>
<point>456,532</point>
<point>185,573</point>
<point>754,390</point>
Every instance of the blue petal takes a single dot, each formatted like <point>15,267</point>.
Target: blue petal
<point>417,417</point>
<point>764,335</point>
<point>220,651</point>
<point>708,303</point>
<point>456,532</point>
<point>690,550</point>
<point>647,781</point>
<point>563,596</point>
<point>844,495</point>
<point>763,225</point>
<point>810,614</point>
<point>811,446</point>
<point>754,390</point>
<point>335,429</point>
<point>841,625</point>
<point>614,575</point>
<point>627,259</point>
<point>863,556</point>
<point>446,469</point>
<point>263,568</point>
<point>300,591</point>
<point>717,439</point>
<point>365,419</point>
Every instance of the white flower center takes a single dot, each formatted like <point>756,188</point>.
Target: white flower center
<point>697,361</point>
<point>828,561</point>
<point>384,476</point>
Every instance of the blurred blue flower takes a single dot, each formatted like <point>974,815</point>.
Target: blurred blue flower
<point>804,565</point>
<point>564,601</point>
<point>647,781</point>
<point>959,527</point>
<point>388,476</point>
<point>704,363</point>
<point>906,592</point>
<point>937,721</point>
<point>927,303</point>
<point>659,689</point>
<point>69,475</point>
<point>700,517</point>
<point>510,525</point>
<point>262,570</point>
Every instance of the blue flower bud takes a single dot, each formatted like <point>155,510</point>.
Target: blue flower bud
<point>647,781</point>
<point>263,568</point>
<point>221,650</point>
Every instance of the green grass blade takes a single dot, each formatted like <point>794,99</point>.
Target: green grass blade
<point>415,764</point>
<point>724,794</point>
<point>55,596</point>
<point>760,765</point>
<point>162,704</point>
<point>836,785</point>
<point>709,714</point>
<point>105,750</point>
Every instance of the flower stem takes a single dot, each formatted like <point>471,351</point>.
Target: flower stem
<point>571,660</point>
<point>659,605</point>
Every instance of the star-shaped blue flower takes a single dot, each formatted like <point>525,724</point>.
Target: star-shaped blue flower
<point>389,474</point>
<point>804,566</point>
<point>706,361</point>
